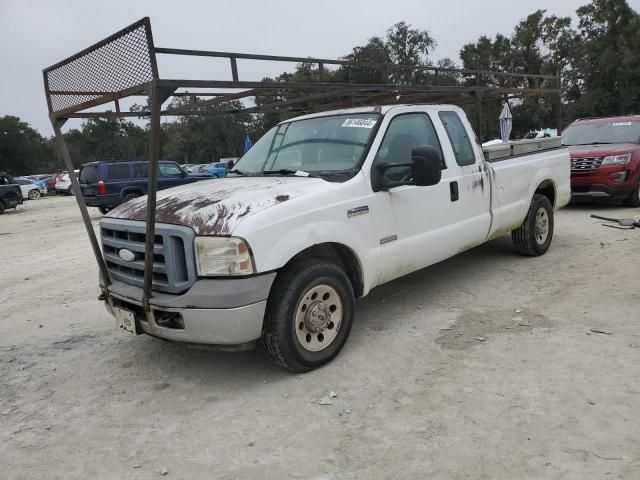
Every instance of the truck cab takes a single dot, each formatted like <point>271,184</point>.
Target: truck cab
<point>319,211</point>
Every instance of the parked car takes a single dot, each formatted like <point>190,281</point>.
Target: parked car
<point>51,184</point>
<point>107,184</point>
<point>29,188</point>
<point>605,158</point>
<point>217,169</point>
<point>344,201</point>
<point>10,192</point>
<point>199,169</point>
<point>63,183</point>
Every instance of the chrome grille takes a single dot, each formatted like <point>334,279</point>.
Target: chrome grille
<point>173,260</point>
<point>585,164</point>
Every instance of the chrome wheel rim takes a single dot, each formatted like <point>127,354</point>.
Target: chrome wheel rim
<point>542,226</point>
<point>33,194</point>
<point>318,317</point>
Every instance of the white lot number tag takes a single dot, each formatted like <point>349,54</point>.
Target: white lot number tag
<point>359,122</point>
<point>621,124</point>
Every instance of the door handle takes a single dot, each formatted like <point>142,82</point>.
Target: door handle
<point>455,193</point>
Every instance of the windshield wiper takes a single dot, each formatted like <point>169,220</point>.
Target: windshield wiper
<point>287,171</point>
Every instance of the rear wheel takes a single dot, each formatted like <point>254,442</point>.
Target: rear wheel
<point>70,190</point>
<point>1,208</point>
<point>309,315</point>
<point>634,198</point>
<point>534,236</point>
<point>130,196</point>
<point>34,194</point>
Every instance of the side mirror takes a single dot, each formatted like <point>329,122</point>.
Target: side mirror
<point>427,166</point>
<point>424,169</point>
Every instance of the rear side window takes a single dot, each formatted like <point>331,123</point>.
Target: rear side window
<point>118,171</point>
<point>89,174</point>
<point>141,170</point>
<point>458,137</point>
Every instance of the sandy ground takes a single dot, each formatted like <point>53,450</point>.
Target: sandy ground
<point>482,367</point>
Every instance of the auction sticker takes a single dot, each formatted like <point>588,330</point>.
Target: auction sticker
<point>359,122</point>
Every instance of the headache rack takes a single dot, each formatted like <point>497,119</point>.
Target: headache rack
<point>124,65</point>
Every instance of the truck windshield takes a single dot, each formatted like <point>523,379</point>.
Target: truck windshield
<point>596,133</point>
<point>322,146</point>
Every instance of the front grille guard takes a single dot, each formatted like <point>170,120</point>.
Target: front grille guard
<point>124,65</point>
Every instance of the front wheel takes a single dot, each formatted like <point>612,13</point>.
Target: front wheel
<point>34,194</point>
<point>309,315</point>
<point>533,238</point>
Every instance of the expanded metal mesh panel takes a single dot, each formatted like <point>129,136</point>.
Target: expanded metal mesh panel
<point>118,63</point>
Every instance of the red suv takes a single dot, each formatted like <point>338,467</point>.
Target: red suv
<point>605,157</point>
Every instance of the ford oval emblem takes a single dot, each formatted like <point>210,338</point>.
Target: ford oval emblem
<point>126,255</point>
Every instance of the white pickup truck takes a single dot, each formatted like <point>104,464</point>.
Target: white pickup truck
<point>319,211</point>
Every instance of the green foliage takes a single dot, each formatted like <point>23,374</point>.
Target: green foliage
<point>22,149</point>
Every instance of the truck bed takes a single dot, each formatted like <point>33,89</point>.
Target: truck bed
<point>514,148</point>
<point>515,179</point>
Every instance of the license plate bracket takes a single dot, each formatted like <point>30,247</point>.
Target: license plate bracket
<point>126,320</point>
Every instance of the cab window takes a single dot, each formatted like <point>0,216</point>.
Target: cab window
<point>405,132</point>
<point>459,139</point>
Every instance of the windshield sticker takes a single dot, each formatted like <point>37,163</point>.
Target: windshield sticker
<point>359,122</point>
<point>621,124</point>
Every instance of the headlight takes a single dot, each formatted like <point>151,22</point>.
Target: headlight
<point>218,256</point>
<point>617,159</point>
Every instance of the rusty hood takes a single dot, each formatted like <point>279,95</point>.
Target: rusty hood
<point>215,207</point>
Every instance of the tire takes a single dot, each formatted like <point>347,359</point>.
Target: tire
<point>130,196</point>
<point>70,190</point>
<point>292,310</point>
<point>534,236</point>
<point>104,210</point>
<point>1,208</point>
<point>634,199</point>
<point>33,194</point>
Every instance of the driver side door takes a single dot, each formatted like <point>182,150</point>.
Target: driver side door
<point>412,223</point>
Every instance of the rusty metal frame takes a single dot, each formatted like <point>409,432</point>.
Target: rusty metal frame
<point>124,65</point>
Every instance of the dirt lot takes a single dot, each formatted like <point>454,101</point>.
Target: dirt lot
<point>483,367</point>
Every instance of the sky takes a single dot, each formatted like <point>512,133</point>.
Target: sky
<point>37,33</point>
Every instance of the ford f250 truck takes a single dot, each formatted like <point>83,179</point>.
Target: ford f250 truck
<point>322,209</point>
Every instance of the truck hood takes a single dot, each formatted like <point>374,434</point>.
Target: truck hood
<point>216,207</point>
<point>586,151</point>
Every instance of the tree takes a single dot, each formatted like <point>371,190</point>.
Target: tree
<point>608,65</point>
<point>102,139</point>
<point>23,151</point>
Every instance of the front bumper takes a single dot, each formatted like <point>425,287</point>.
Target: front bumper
<point>213,311</point>
<point>601,190</point>
<point>604,182</point>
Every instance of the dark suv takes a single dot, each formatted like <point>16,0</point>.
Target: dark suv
<point>107,184</point>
